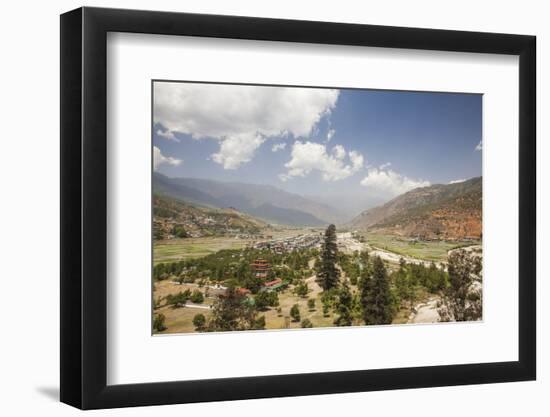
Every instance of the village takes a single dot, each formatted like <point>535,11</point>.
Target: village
<point>174,219</point>
<point>289,244</point>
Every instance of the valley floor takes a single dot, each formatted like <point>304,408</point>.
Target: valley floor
<point>389,248</point>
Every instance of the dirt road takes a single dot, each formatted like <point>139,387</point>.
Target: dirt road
<point>425,312</point>
<point>350,245</point>
<point>395,257</point>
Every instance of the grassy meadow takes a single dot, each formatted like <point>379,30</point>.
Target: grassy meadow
<point>180,249</point>
<point>426,250</point>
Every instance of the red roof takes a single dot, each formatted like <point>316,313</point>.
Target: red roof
<point>242,291</point>
<point>272,283</point>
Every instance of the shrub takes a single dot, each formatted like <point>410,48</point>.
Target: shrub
<point>158,323</point>
<point>326,310</point>
<point>259,324</point>
<point>302,290</point>
<point>178,300</point>
<point>199,322</point>
<point>179,231</point>
<point>295,313</point>
<point>307,324</point>
<point>311,304</point>
<point>197,297</point>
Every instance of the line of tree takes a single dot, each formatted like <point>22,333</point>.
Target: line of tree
<point>232,267</point>
<point>375,303</point>
<point>411,279</point>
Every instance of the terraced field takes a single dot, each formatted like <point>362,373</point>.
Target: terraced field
<point>179,249</point>
<point>427,250</point>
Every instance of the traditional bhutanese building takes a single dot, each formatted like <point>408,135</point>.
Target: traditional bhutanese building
<point>261,268</point>
<point>242,291</point>
<point>275,285</point>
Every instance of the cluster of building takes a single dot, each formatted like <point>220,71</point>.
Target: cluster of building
<point>290,244</point>
<point>261,268</point>
<point>198,224</point>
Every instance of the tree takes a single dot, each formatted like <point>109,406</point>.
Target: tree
<point>376,297</point>
<point>266,299</point>
<point>158,233</point>
<point>178,300</point>
<point>158,322</point>
<point>295,313</point>
<point>199,322</point>
<point>405,288</point>
<point>326,309</point>
<point>462,298</point>
<point>311,304</point>
<point>232,311</point>
<point>328,275</point>
<point>302,290</point>
<point>344,308</point>
<point>197,297</point>
<point>179,231</point>
<point>307,324</point>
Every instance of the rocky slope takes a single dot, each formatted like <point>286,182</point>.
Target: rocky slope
<point>450,211</point>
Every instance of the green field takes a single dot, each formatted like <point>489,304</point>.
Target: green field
<point>178,249</point>
<point>425,250</point>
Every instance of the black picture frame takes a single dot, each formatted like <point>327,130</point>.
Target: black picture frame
<point>84,207</point>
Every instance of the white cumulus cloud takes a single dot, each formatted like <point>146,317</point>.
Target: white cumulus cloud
<point>278,147</point>
<point>390,183</point>
<point>237,149</point>
<point>357,160</point>
<point>167,134</point>
<point>239,117</point>
<point>339,152</point>
<point>307,157</point>
<point>159,159</point>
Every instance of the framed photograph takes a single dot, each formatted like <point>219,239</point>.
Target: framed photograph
<point>260,208</point>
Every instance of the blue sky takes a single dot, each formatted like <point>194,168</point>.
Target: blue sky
<point>365,146</point>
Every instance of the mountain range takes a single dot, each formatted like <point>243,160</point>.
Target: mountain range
<point>265,202</point>
<point>441,211</point>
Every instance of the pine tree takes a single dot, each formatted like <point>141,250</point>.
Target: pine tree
<point>405,289</point>
<point>328,275</point>
<point>344,306</point>
<point>375,294</point>
<point>232,311</point>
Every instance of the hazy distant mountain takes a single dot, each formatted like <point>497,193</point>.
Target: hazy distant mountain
<point>350,204</point>
<point>264,201</point>
<point>438,211</point>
